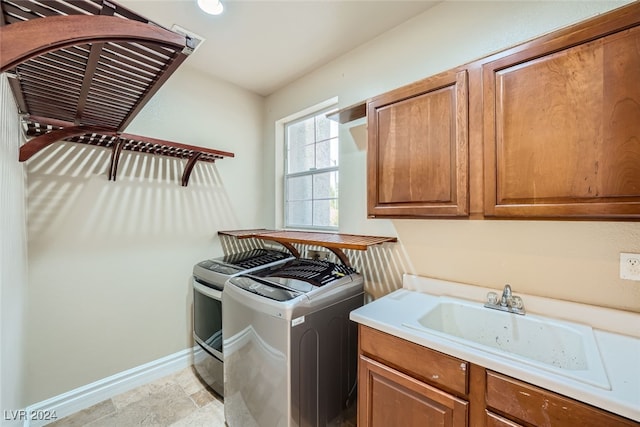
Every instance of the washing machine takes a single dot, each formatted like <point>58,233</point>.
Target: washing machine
<point>290,348</point>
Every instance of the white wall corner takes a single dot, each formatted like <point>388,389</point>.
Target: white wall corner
<point>13,255</point>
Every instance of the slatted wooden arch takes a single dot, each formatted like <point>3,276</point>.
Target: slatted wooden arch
<point>83,69</point>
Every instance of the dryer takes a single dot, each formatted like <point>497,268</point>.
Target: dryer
<point>209,277</point>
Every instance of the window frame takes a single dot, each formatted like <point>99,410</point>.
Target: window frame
<point>310,172</point>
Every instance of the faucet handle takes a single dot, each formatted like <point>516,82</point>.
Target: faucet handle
<point>492,298</point>
<point>505,302</point>
<point>516,302</point>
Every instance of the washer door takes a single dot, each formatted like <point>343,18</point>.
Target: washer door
<point>207,318</point>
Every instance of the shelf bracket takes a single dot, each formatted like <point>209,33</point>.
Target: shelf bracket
<point>115,158</point>
<point>336,251</point>
<point>341,256</point>
<point>189,168</point>
<point>34,145</point>
<point>289,247</point>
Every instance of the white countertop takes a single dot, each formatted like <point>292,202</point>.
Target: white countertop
<point>617,334</point>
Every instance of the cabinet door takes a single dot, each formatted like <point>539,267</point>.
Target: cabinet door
<point>417,158</point>
<point>387,397</point>
<point>562,125</point>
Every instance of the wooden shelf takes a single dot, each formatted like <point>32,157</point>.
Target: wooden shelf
<point>44,132</point>
<point>335,242</point>
<point>349,114</point>
<point>244,234</point>
<point>81,70</point>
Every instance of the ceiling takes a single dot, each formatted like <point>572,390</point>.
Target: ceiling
<point>263,45</point>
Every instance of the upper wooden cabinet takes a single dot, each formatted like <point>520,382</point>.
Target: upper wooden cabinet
<point>546,129</point>
<point>417,160</point>
<point>562,123</point>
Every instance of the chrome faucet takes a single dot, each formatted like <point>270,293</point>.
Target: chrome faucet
<point>507,302</point>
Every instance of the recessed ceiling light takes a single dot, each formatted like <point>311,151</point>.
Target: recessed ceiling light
<point>212,7</point>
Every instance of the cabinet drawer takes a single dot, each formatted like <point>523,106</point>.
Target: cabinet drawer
<point>420,362</point>
<point>390,398</point>
<point>543,408</point>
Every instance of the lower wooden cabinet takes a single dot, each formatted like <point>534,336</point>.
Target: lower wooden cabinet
<point>391,398</point>
<point>401,383</point>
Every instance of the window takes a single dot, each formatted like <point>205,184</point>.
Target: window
<point>311,173</point>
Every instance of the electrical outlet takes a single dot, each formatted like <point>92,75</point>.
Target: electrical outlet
<point>629,266</point>
<point>317,255</point>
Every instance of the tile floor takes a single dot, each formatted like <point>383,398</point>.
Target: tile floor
<point>178,400</point>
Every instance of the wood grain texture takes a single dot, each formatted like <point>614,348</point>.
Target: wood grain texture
<point>335,242</point>
<point>394,370</point>
<point>552,130</point>
<point>476,159</point>
<point>562,124</point>
<point>350,113</point>
<point>71,73</point>
<point>493,420</point>
<point>543,408</point>
<point>28,39</point>
<point>34,145</point>
<point>328,240</point>
<point>417,159</point>
<point>414,154</point>
<point>86,62</point>
<point>53,130</point>
<point>477,386</point>
<point>422,363</point>
<point>392,398</point>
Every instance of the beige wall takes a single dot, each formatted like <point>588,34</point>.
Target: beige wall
<point>13,255</point>
<point>571,260</point>
<point>110,262</point>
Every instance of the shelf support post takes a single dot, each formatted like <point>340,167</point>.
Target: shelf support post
<point>115,158</point>
<point>189,167</point>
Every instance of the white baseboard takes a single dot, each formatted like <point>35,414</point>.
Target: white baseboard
<point>83,397</point>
